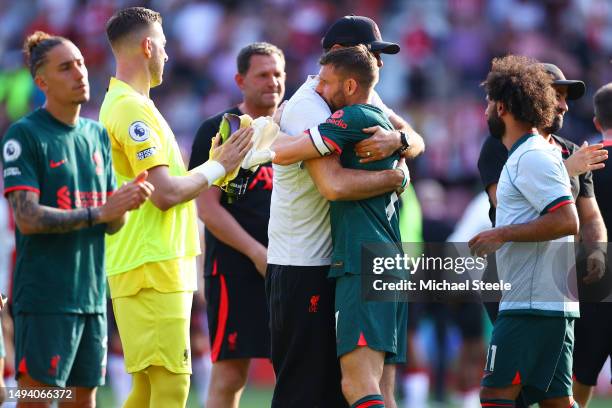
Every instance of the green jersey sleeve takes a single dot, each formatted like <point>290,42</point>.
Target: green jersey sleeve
<point>342,129</point>
<point>19,161</point>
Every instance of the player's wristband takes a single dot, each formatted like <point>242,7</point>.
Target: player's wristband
<point>212,170</point>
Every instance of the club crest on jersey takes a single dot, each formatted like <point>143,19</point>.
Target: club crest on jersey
<point>11,151</point>
<point>139,131</point>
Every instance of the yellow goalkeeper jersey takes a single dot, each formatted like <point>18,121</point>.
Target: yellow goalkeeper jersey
<point>155,248</point>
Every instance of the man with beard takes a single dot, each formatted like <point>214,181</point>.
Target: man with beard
<point>237,236</point>
<point>151,263</point>
<point>579,163</point>
<point>368,334</point>
<point>58,179</point>
<point>594,328</point>
<point>300,295</point>
<point>532,342</point>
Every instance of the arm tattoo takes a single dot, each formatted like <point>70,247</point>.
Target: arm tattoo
<point>42,219</point>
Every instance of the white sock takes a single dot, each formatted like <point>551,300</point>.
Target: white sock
<point>202,366</point>
<point>416,390</point>
<point>120,380</point>
<point>470,398</point>
<point>10,382</point>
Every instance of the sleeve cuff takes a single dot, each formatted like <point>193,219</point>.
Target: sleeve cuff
<point>318,142</point>
<point>141,166</point>
<point>26,188</point>
<point>330,142</point>
<point>556,204</point>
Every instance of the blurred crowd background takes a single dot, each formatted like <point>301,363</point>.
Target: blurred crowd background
<point>446,49</point>
<point>447,46</point>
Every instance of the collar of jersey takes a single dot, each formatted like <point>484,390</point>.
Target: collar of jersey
<point>521,140</point>
<point>124,87</point>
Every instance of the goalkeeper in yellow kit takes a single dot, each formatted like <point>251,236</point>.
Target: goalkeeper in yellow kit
<point>151,263</point>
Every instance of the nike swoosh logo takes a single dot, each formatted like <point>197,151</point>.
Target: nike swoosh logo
<point>53,164</point>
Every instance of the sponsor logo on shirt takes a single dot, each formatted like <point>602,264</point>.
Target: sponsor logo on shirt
<point>12,171</point>
<point>143,154</point>
<point>338,114</point>
<point>139,131</point>
<point>11,151</point>
<point>338,122</point>
<point>265,175</point>
<point>63,198</point>
<point>82,199</point>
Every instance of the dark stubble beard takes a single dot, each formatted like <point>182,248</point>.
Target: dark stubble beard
<point>337,101</point>
<point>497,127</point>
<point>557,124</point>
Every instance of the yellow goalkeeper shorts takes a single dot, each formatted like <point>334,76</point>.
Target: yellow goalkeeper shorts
<point>154,330</point>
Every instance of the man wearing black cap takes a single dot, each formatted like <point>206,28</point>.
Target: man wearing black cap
<point>354,30</point>
<point>301,298</point>
<point>593,331</point>
<point>579,163</point>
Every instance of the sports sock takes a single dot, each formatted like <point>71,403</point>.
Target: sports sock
<point>496,403</point>
<point>168,390</point>
<point>120,380</point>
<point>202,367</point>
<point>416,389</point>
<point>470,398</point>
<point>141,391</point>
<point>370,401</point>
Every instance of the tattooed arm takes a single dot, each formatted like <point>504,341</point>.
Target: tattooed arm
<point>33,218</point>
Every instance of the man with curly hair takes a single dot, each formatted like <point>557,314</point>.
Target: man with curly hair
<point>532,342</point>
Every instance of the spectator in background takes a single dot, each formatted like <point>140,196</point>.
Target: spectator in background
<point>446,44</point>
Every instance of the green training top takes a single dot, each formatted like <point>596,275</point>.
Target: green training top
<point>69,167</point>
<point>354,223</point>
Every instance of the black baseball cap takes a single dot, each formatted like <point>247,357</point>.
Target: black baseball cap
<point>354,30</point>
<point>575,88</point>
